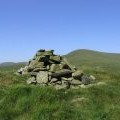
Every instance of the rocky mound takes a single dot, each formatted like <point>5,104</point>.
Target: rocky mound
<point>48,69</point>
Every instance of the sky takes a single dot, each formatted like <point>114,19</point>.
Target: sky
<point>63,25</point>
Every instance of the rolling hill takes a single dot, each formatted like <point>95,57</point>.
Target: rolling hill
<point>94,59</point>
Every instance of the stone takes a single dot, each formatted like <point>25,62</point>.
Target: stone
<point>85,80</point>
<point>74,86</point>
<point>42,59</point>
<point>33,73</point>
<point>28,69</point>
<point>31,80</point>
<point>63,85</point>
<point>66,84</point>
<point>92,78</point>
<point>77,75</point>
<point>59,87</point>
<point>58,83</point>
<point>55,58</point>
<point>64,66</point>
<point>42,77</point>
<point>20,71</point>
<point>54,67</point>
<point>76,82</point>
<point>53,80</point>
<point>41,50</point>
<point>39,69</point>
<point>67,79</point>
<point>36,69</point>
<point>49,52</point>
<point>62,73</point>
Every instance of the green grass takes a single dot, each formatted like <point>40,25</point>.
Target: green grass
<point>19,101</point>
<point>86,59</point>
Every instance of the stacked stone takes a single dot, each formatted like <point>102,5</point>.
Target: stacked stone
<point>48,69</point>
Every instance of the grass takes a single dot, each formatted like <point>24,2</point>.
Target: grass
<point>19,101</point>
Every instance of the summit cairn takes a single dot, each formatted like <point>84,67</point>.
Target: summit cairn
<point>48,69</point>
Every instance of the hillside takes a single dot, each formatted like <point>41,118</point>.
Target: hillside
<point>19,101</point>
<point>94,59</point>
<point>7,64</point>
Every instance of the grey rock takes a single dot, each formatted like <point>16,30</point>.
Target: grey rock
<point>36,69</point>
<point>62,73</point>
<point>59,82</point>
<point>31,80</point>
<point>77,75</point>
<point>64,85</point>
<point>92,78</point>
<point>42,77</point>
<point>85,80</point>
<point>33,73</point>
<point>67,79</point>
<point>76,82</point>
<point>53,80</point>
<point>20,71</point>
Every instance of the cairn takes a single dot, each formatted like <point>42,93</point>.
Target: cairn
<point>48,69</point>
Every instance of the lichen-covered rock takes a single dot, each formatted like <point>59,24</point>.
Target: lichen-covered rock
<point>42,77</point>
<point>76,82</point>
<point>77,74</point>
<point>85,80</point>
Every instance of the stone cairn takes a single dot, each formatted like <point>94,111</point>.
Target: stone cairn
<point>48,69</point>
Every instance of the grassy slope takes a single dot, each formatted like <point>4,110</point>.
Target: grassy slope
<point>86,59</point>
<point>19,101</point>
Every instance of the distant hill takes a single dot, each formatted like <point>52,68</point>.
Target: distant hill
<point>89,58</point>
<point>6,64</point>
<point>85,59</point>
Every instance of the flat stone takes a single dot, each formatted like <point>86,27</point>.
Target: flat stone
<point>76,82</point>
<point>55,58</point>
<point>42,77</point>
<point>67,79</point>
<point>58,87</point>
<point>31,80</point>
<point>33,73</point>
<point>59,82</point>
<point>77,75</point>
<point>53,80</point>
<point>36,70</point>
<point>54,67</point>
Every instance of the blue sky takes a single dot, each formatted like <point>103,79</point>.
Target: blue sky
<point>62,25</point>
